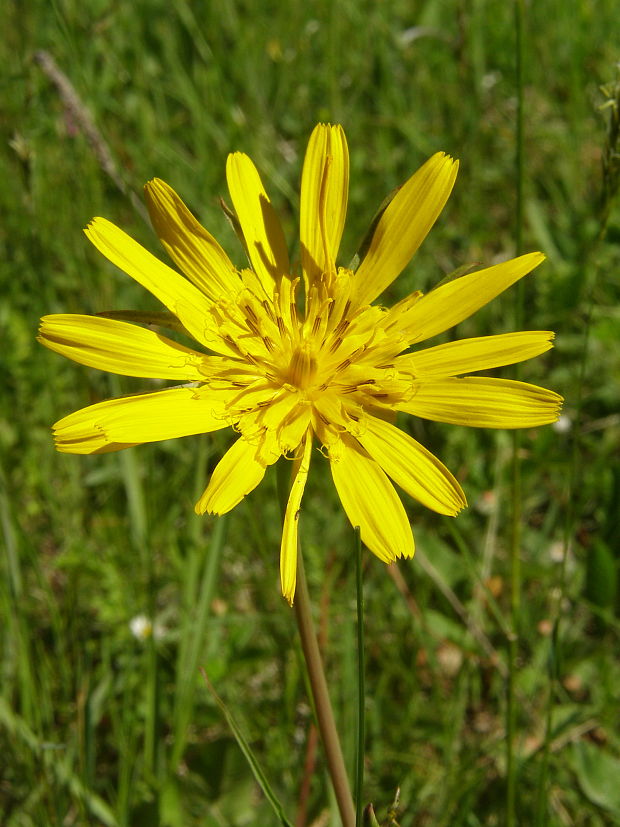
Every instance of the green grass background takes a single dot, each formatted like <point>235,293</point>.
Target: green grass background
<point>98,727</point>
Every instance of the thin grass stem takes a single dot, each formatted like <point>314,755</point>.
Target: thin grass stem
<point>516,514</point>
<point>139,530</point>
<point>249,755</point>
<point>361,684</point>
<point>609,190</point>
<point>194,636</point>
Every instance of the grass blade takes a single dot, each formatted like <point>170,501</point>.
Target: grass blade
<point>257,772</point>
<point>361,685</point>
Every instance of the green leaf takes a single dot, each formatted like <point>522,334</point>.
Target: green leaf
<point>601,576</point>
<point>597,773</point>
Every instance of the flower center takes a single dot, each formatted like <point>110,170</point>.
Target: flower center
<point>302,367</point>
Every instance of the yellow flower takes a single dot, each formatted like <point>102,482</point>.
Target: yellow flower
<point>334,373</point>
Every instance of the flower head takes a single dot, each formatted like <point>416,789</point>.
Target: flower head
<point>289,364</point>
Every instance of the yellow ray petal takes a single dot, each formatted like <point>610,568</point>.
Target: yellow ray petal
<point>293,428</point>
<point>260,224</point>
<point>148,417</point>
<point>412,467</point>
<point>288,548</point>
<point>189,245</point>
<point>483,402</point>
<point>370,502</point>
<point>482,353</point>
<point>272,416</point>
<point>404,225</point>
<point>178,294</point>
<point>253,397</point>
<point>454,301</point>
<point>120,347</point>
<point>323,203</point>
<point>235,475</point>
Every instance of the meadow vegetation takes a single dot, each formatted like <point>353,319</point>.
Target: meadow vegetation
<point>104,723</point>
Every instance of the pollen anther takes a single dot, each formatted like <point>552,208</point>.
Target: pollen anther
<point>302,368</point>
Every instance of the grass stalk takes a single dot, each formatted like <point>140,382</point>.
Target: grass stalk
<point>513,636</point>
<point>610,185</point>
<point>257,771</point>
<point>193,639</point>
<point>516,515</point>
<point>361,683</point>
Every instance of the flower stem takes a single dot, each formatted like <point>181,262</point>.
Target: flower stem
<point>324,714</point>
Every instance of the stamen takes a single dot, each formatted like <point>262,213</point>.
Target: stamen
<point>302,368</point>
<point>268,309</point>
<point>252,326</point>
<point>357,353</point>
<point>340,328</point>
<point>233,344</point>
<point>249,310</point>
<point>292,302</point>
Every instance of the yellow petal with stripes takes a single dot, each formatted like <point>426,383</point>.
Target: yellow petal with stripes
<point>413,467</point>
<point>235,475</point>
<point>131,420</point>
<point>481,353</point>
<point>450,303</point>
<point>260,225</point>
<point>323,203</point>
<point>288,547</point>
<point>483,402</point>
<point>370,502</point>
<point>122,348</point>
<point>404,225</point>
<point>178,294</point>
<point>194,250</point>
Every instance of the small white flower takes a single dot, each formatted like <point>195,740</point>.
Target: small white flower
<point>141,627</point>
<point>563,424</point>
